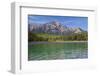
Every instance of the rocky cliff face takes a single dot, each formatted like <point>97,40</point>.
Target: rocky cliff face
<point>53,27</point>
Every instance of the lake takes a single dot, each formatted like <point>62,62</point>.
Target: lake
<point>53,51</point>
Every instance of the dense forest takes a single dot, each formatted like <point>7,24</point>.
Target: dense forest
<point>48,37</point>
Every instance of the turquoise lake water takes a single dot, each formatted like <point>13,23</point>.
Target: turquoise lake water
<point>53,51</point>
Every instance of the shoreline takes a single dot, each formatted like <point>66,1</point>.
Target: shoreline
<point>46,42</point>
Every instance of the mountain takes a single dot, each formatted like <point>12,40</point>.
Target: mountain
<point>53,27</point>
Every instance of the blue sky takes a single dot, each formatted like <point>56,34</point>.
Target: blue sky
<point>70,21</point>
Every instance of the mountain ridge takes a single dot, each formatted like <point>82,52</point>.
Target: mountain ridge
<point>53,27</point>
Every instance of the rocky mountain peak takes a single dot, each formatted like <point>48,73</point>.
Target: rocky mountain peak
<point>54,27</point>
<point>78,30</point>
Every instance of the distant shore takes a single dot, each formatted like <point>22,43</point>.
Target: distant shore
<point>48,42</point>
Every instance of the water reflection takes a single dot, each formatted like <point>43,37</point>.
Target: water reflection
<point>57,51</point>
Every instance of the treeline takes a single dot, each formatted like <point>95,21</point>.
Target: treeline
<point>48,37</point>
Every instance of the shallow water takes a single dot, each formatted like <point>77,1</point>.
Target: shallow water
<point>53,51</point>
